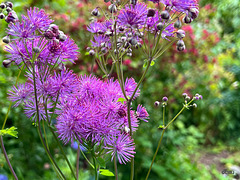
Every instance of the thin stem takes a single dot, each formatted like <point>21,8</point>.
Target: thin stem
<point>115,168</point>
<point>163,115</point>
<point>94,164</point>
<point>77,163</point>
<point>159,143</point>
<point>7,159</point>
<point>86,159</point>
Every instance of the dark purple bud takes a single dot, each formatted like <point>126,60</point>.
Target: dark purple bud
<point>160,26</point>
<point>6,39</point>
<point>49,34</point>
<point>95,12</point>
<point>2,5</point>
<point>165,99</point>
<point>54,29</point>
<point>104,50</point>
<point>178,24</point>
<point>36,49</point>
<point>9,9</point>
<point>108,33</point>
<point>126,45</point>
<point>181,48</point>
<point>187,20</point>
<point>193,13</point>
<point>91,52</point>
<point>184,95</point>
<point>88,48</point>
<point>9,4</point>
<point>157,103</point>
<point>180,43</point>
<point>138,45</point>
<point>62,37</point>
<point>2,16</point>
<point>180,33</point>
<point>121,28</point>
<point>133,2</point>
<point>100,31</point>
<point>133,41</point>
<point>150,12</point>
<point>112,8</point>
<point>11,17</point>
<point>7,63</point>
<point>165,14</point>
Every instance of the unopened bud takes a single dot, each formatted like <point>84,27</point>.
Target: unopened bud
<point>180,33</point>
<point>184,95</point>
<point>194,105</point>
<point>181,48</point>
<point>91,52</point>
<point>178,24</point>
<point>11,17</point>
<point>9,4</point>
<point>62,37</point>
<point>193,13</point>
<point>36,49</point>
<point>165,99</point>
<point>133,2</point>
<point>133,41</point>
<point>2,16</point>
<point>104,50</point>
<point>187,20</point>
<point>160,26</point>
<point>2,5</point>
<point>7,63</point>
<point>6,39</point>
<point>180,43</point>
<point>8,9</point>
<point>112,8</point>
<point>165,15</point>
<point>156,103</point>
<point>150,12</point>
<point>95,12</point>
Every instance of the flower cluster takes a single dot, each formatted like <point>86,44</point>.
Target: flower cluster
<point>33,40</point>
<point>132,24</point>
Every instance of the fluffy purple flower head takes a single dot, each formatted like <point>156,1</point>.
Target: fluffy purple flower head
<point>133,15</point>
<point>130,85</point>
<point>101,39</point>
<point>142,113</point>
<point>122,146</point>
<point>97,27</point>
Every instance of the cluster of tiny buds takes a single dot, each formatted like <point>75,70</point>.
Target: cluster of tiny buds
<point>164,102</point>
<point>54,33</point>
<point>7,12</point>
<point>187,98</point>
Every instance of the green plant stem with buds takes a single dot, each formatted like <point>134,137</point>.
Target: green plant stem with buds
<point>185,106</point>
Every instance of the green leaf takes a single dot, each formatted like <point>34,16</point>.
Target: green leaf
<point>122,100</point>
<point>161,127</point>
<point>86,53</point>
<point>152,63</point>
<point>104,76</point>
<point>9,131</point>
<point>101,162</point>
<point>106,172</point>
<point>145,64</point>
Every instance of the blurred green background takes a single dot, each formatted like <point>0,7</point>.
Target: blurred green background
<point>201,143</point>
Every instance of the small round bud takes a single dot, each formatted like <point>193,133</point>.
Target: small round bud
<point>95,12</point>
<point>7,63</point>
<point>11,17</point>
<point>138,45</point>
<point>160,26</point>
<point>112,8</point>
<point>62,37</point>
<point>187,98</point>
<point>121,28</point>
<point>165,15</point>
<point>2,5</point>
<point>133,41</point>
<point>8,9</point>
<point>88,48</point>
<point>184,95</point>
<point>193,13</point>
<point>156,103</point>
<point>49,34</point>
<point>177,24</point>
<point>6,39</point>
<point>194,105</point>
<point>181,48</point>
<point>150,12</point>
<point>133,2</point>
<point>104,50</point>
<point>2,16</point>
<point>180,43</point>
<point>129,54</point>
<point>100,32</point>
<point>36,49</point>
<point>91,52</point>
<point>165,99</point>
<point>187,20</point>
<point>180,33</point>
<point>9,4</point>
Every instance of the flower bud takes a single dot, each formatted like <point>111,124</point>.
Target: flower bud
<point>150,12</point>
<point>180,43</point>
<point>133,2</point>
<point>95,12</point>
<point>2,16</point>
<point>121,28</point>
<point>7,63</point>
<point>181,48</point>
<point>11,17</point>
<point>2,5</point>
<point>104,50</point>
<point>165,99</point>
<point>156,103</point>
<point>187,20</point>
<point>193,13</point>
<point>9,4</point>
<point>180,33</point>
<point>178,24</point>
<point>184,95</point>
<point>129,54</point>
<point>133,41</point>
<point>36,49</point>
<point>112,8</point>
<point>165,15</point>
<point>49,34</point>
<point>8,9</point>
<point>194,105</point>
<point>160,26</point>
<point>62,37</point>
<point>6,39</point>
<point>91,52</point>
<point>187,98</point>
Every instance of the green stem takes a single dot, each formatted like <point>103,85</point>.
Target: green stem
<point>86,159</point>
<point>163,115</point>
<point>94,164</point>
<point>159,143</point>
<point>77,163</point>
<point>115,168</point>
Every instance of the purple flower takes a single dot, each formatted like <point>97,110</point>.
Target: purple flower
<point>142,113</point>
<point>99,40</point>
<point>130,86</point>
<point>134,16</point>
<point>20,94</point>
<point>38,18</point>
<point>122,147</point>
<point>97,27</point>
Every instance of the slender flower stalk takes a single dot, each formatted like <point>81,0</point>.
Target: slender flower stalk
<point>77,162</point>
<point>115,168</point>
